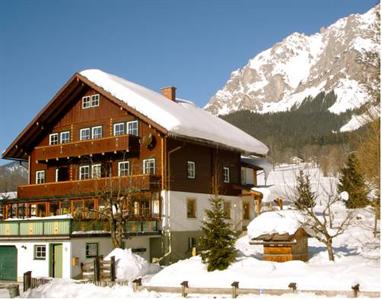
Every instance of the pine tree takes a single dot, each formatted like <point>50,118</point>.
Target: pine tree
<point>351,181</point>
<point>304,195</point>
<point>218,240</point>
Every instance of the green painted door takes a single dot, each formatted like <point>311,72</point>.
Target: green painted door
<point>56,262</point>
<point>8,263</point>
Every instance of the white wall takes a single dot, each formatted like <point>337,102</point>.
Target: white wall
<point>39,268</point>
<point>175,210</point>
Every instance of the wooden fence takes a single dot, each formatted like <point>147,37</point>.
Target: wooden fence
<point>30,283</point>
<point>99,270</point>
<point>184,289</point>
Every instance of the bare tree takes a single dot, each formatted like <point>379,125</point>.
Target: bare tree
<point>320,224</point>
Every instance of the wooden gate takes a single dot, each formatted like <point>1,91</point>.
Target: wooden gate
<point>99,270</point>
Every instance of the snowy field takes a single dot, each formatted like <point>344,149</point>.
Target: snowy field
<point>357,259</point>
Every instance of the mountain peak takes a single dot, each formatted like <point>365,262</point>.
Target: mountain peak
<point>342,58</point>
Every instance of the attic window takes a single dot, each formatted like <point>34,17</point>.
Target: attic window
<point>90,101</point>
<point>53,139</point>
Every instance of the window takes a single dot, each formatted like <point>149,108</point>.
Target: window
<point>84,172</point>
<point>53,139</point>
<point>90,101</point>
<point>64,137</point>
<point>95,100</point>
<point>132,128</point>
<point>119,128</point>
<point>191,208</point>
<point>226,174</point>
<point>97,132</point>
<point>227,209</point>
<point>85,134</point>
<point>86,102</point>
<point>40,177</point>
<point>149,166</point>
<point>96,171</point>
<point>91,250</point>
<point>39,252</point>
<point>191,169</point>
<point>123,168</point>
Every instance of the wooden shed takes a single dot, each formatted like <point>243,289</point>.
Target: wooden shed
<point>284,247</point>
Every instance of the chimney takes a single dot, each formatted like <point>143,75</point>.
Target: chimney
<point>169,92</point>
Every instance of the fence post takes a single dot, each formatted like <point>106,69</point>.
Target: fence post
<point>97,269</point>
<point>27,280</point>
<point>235,287</point>
<point>136,284</point>
<point>355,289</point>
<point>184,285</point>
<point>112,268</point>
<point>293,286</point>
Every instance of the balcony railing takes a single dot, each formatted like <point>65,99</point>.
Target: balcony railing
<point>144,182</point>
<point>87,147</point>
<point>67,227</point>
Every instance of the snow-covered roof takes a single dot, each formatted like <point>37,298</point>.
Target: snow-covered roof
<point>179,118</point>
<point>275,222</point>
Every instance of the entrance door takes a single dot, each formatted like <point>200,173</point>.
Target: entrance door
<point>56,261</point>
<point>8,263</point>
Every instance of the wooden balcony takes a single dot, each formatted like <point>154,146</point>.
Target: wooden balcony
<point>89,186</point>
<point>83,148</point>
<point>51,227</point>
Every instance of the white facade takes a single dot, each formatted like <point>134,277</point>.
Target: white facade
<point>175,210</point>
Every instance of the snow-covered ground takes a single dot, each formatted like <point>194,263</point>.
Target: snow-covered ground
<point>357,259</point>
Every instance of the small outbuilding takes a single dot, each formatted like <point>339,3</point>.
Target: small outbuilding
<point>282,235</point>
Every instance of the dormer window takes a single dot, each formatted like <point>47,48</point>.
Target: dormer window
<point>90,101</point>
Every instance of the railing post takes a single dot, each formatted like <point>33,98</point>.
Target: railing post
<point>112,268</point>
<point>27,280</point>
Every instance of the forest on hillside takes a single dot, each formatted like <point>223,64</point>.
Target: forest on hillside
<point>309,131</point>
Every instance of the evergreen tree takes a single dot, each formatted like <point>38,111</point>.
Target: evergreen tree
<point>304,195</point>
<point>218,240</point>
<point>351,181</point>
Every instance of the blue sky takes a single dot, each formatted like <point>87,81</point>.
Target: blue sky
<point>193,45</point>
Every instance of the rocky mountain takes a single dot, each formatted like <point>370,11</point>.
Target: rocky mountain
<point>11,175</point>
<point>342,58</point>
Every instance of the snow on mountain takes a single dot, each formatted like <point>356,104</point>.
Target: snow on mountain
<point>342,58</point>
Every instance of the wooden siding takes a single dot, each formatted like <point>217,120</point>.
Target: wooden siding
<point>89,186</point>
<point>209,162</point>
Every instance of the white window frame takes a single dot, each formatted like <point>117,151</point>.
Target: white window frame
<point>95,100</point>
<point>115,126</point>
<point>130,128</point>
<point>61,135</point>
<point>94,174</point>
<point>80,173</point>
<point>128,167</point>
<point>39,179</point>
<point>93,130</point>
<point>191,170</point>
<point>226,175</point>
<point>86,102</point>
<point>147,170</point>
<point>56,142</point>
<point>86,137</point>
<point>39,252</point>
